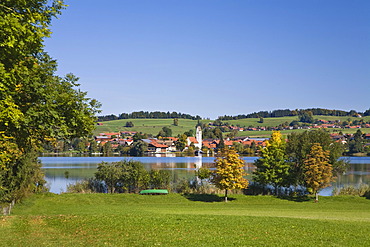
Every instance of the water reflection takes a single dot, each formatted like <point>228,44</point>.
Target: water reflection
<point>61,171</point>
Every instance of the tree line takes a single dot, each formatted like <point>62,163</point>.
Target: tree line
<point>147,114</point>
<point>307,162</point>
<point>297,112</point>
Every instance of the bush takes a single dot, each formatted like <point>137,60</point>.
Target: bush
<point>193,187</point>
<point>87,186</point>
<point>258,189</point>
<point>361,190</point>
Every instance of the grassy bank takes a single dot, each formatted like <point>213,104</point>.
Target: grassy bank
<point>175,220</point>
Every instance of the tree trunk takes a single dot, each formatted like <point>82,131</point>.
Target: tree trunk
<point>226,195</point>
<point>276,190</point>
<point>317,197</point>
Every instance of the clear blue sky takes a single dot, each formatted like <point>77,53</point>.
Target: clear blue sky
<point>217,57</point>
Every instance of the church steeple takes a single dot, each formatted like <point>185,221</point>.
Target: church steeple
<point>198,136</point>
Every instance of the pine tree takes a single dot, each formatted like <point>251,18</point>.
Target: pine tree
<point>318,171</point>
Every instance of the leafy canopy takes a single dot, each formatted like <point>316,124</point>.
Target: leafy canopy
<point>318,171</point>
<point>36,105</point>
<point>272,168</point>
<point>229,172</point>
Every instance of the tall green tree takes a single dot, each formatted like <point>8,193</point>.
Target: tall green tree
<point>159,179</point>
<point>93,147</point>
<point>134,176</point>
<point>129,124</point>
<point>356,144</point>
<point>181,143</point>
<point>138,148</point>
<point>107,149</point>
<point>176,122</point>
<point>306,117</point>
<point>138,136</point>
<point>165,132</point>
<point>220,146</point>
<point>36,105</point>
<point>272,168</point>
<point>317,171</point>
<point>123,176</point>
<point>229,172</point>
<point>110,174</point>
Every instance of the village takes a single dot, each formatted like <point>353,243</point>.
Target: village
<point>116,141</point>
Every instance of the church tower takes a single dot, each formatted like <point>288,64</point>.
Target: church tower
<point>198,136</point>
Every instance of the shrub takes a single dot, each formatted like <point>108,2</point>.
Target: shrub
<point>87,186</point>
<point>361,190</point>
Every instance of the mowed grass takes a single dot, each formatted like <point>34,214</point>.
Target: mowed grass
<point>175,220</point>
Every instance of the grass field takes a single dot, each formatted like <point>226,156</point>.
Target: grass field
<point>175,220</point>
<point>153,126</point>
<point>286,132</point>
<point>149,126</point>
<point>279,120</point>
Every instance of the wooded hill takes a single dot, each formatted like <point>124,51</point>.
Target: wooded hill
<point>260,114</point>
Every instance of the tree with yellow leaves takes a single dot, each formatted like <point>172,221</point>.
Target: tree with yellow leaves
<point>318,171</point>
<point>229,172</point>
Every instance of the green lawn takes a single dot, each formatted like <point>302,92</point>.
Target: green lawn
<point>175,220</point>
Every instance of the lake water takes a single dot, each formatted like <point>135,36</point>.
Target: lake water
<point>61,171</point>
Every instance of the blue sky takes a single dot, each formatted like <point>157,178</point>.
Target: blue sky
<point>213,57</point>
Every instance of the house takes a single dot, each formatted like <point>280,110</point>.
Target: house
<point>210,144</point>
<point>100,139</point>
<point>125,142</point>
<point>128,133</point>
<point>169,142</point>
<point>116,134</point>
<point>154,147</point>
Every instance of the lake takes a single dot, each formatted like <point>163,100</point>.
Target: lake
<point>61,171</point>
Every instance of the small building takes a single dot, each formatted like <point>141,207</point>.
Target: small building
<point>154,147</point>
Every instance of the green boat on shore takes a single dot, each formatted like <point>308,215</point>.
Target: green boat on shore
<point>153,192</point>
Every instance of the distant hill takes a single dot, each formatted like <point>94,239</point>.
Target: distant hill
<point>297,112</point>
<point>148,115</point>
<point>260,114</point>
<point>153,126</point>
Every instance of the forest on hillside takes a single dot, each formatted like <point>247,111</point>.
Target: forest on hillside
<point>260,114</point>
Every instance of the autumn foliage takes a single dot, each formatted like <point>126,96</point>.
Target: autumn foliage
<point>318,171</point>
<point>229,172</point>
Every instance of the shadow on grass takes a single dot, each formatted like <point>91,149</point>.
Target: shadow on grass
<point>206,198</point>
<point>295,198</point>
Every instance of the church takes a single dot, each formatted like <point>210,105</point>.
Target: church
<point>197,140</point>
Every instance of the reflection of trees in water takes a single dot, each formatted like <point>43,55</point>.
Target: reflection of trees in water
<point>355,175</point>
